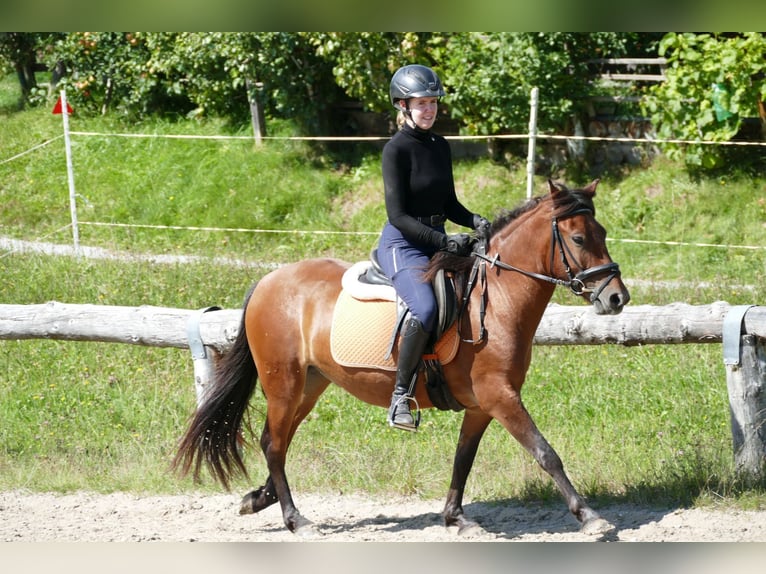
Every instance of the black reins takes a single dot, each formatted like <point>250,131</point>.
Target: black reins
<point>575,282</point>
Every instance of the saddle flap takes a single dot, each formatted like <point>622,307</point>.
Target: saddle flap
<point>446,302</point>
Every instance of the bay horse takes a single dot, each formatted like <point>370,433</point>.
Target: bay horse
<point>284,341</point>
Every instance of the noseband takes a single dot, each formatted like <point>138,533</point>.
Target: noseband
<point>575,282</point>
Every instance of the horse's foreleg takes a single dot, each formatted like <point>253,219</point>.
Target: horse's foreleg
<point>515,418</point>
<point>471,431</point>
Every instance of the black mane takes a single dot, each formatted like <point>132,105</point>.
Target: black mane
<point>506,216</point>
<point>566,202</point>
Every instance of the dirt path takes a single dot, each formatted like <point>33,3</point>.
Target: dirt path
<point>31,517</point>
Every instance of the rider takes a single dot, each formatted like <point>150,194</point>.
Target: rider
<point>420,197</point>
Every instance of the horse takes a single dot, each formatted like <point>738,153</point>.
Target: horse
<point>284,342</point>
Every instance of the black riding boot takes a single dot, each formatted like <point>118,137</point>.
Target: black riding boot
<point>411,346</point>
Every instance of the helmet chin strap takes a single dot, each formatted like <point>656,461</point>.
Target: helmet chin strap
<point>407,111</point>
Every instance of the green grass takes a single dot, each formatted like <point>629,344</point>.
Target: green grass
<point>647,424</point>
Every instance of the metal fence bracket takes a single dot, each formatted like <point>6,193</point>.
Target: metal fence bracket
<point>731,334</point>
<point>203,364</point>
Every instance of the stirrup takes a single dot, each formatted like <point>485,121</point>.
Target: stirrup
<point>415,418</point>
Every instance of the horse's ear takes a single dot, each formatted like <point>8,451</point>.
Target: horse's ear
<point>555,187</point>
<point>591,187</point>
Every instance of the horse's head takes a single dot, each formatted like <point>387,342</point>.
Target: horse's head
<point>579,255</point>
<point>561,244</point>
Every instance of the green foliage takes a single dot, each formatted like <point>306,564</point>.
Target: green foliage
<point>105,69</point>
<point>20,52</point>
<point>302,76</point>
<point>363,62</point>
<point>210,74</point>
<point>713,83</point>
<point>491,77</point>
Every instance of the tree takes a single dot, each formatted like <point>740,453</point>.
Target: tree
<point>712,83</point>
<point>20,51</point>
<point>142,73</point>
<point>105,70</point>
<point>363,62</point>
<point>303,76</point>
<point>490,76</point>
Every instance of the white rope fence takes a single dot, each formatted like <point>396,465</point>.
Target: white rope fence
<point>331,232</point>
<point>385,138</point>
<point>30,150</point>
<point>229,229</point>
<point>531,136</point>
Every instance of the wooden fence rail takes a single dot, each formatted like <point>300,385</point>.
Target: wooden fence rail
<point>207,332</point>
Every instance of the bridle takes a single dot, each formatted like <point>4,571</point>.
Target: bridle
<point>575,282</point>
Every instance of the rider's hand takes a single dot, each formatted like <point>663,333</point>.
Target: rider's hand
<point>459,244</point>
<point>481,224</point>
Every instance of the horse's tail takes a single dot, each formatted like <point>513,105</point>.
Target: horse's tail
<point>214,433</point>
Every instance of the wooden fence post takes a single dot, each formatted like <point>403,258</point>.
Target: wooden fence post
<point>256,111</point>
<point>745,361</point>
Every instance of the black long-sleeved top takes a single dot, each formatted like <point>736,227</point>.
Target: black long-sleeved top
<point>418,181</point>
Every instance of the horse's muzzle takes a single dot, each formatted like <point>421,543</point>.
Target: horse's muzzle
<point>609,296</point>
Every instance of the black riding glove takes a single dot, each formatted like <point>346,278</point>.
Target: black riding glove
<point>481,224</point>
<point>459,244</point>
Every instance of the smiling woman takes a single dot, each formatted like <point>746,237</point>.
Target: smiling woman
<point>420,196</point>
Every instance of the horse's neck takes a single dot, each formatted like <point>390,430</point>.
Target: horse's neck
<point>524,245</point>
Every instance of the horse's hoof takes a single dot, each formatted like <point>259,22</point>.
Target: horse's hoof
<point>249,503</point>
<point>470,529</point>
<point>255,501</point>
<point>246,505</point>
<point>596,526</point>
<point>307,531</point>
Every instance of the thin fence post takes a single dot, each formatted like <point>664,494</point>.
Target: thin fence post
<point>532,142</point>
<point>256,112</point>
<point>70,174</point>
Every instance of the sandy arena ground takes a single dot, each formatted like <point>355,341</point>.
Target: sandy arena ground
<point>89,517</point>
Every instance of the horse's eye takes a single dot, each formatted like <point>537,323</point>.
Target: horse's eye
<point>578,240</point>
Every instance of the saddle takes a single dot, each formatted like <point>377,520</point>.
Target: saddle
<point>368,295</point>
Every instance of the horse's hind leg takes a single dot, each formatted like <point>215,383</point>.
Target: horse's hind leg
<point>276,488</point>
<point>515,418</point>
<point>258,499</point>
<point>262,497</point>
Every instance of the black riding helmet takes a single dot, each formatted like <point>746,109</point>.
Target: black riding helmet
<point>414,81</point>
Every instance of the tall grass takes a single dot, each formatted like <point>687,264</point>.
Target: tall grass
<point>646,424</point>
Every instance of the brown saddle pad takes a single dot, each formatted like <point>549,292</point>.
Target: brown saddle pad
<point>361,333</point>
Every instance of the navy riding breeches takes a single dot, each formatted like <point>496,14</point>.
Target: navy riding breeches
<point>404,264</point>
